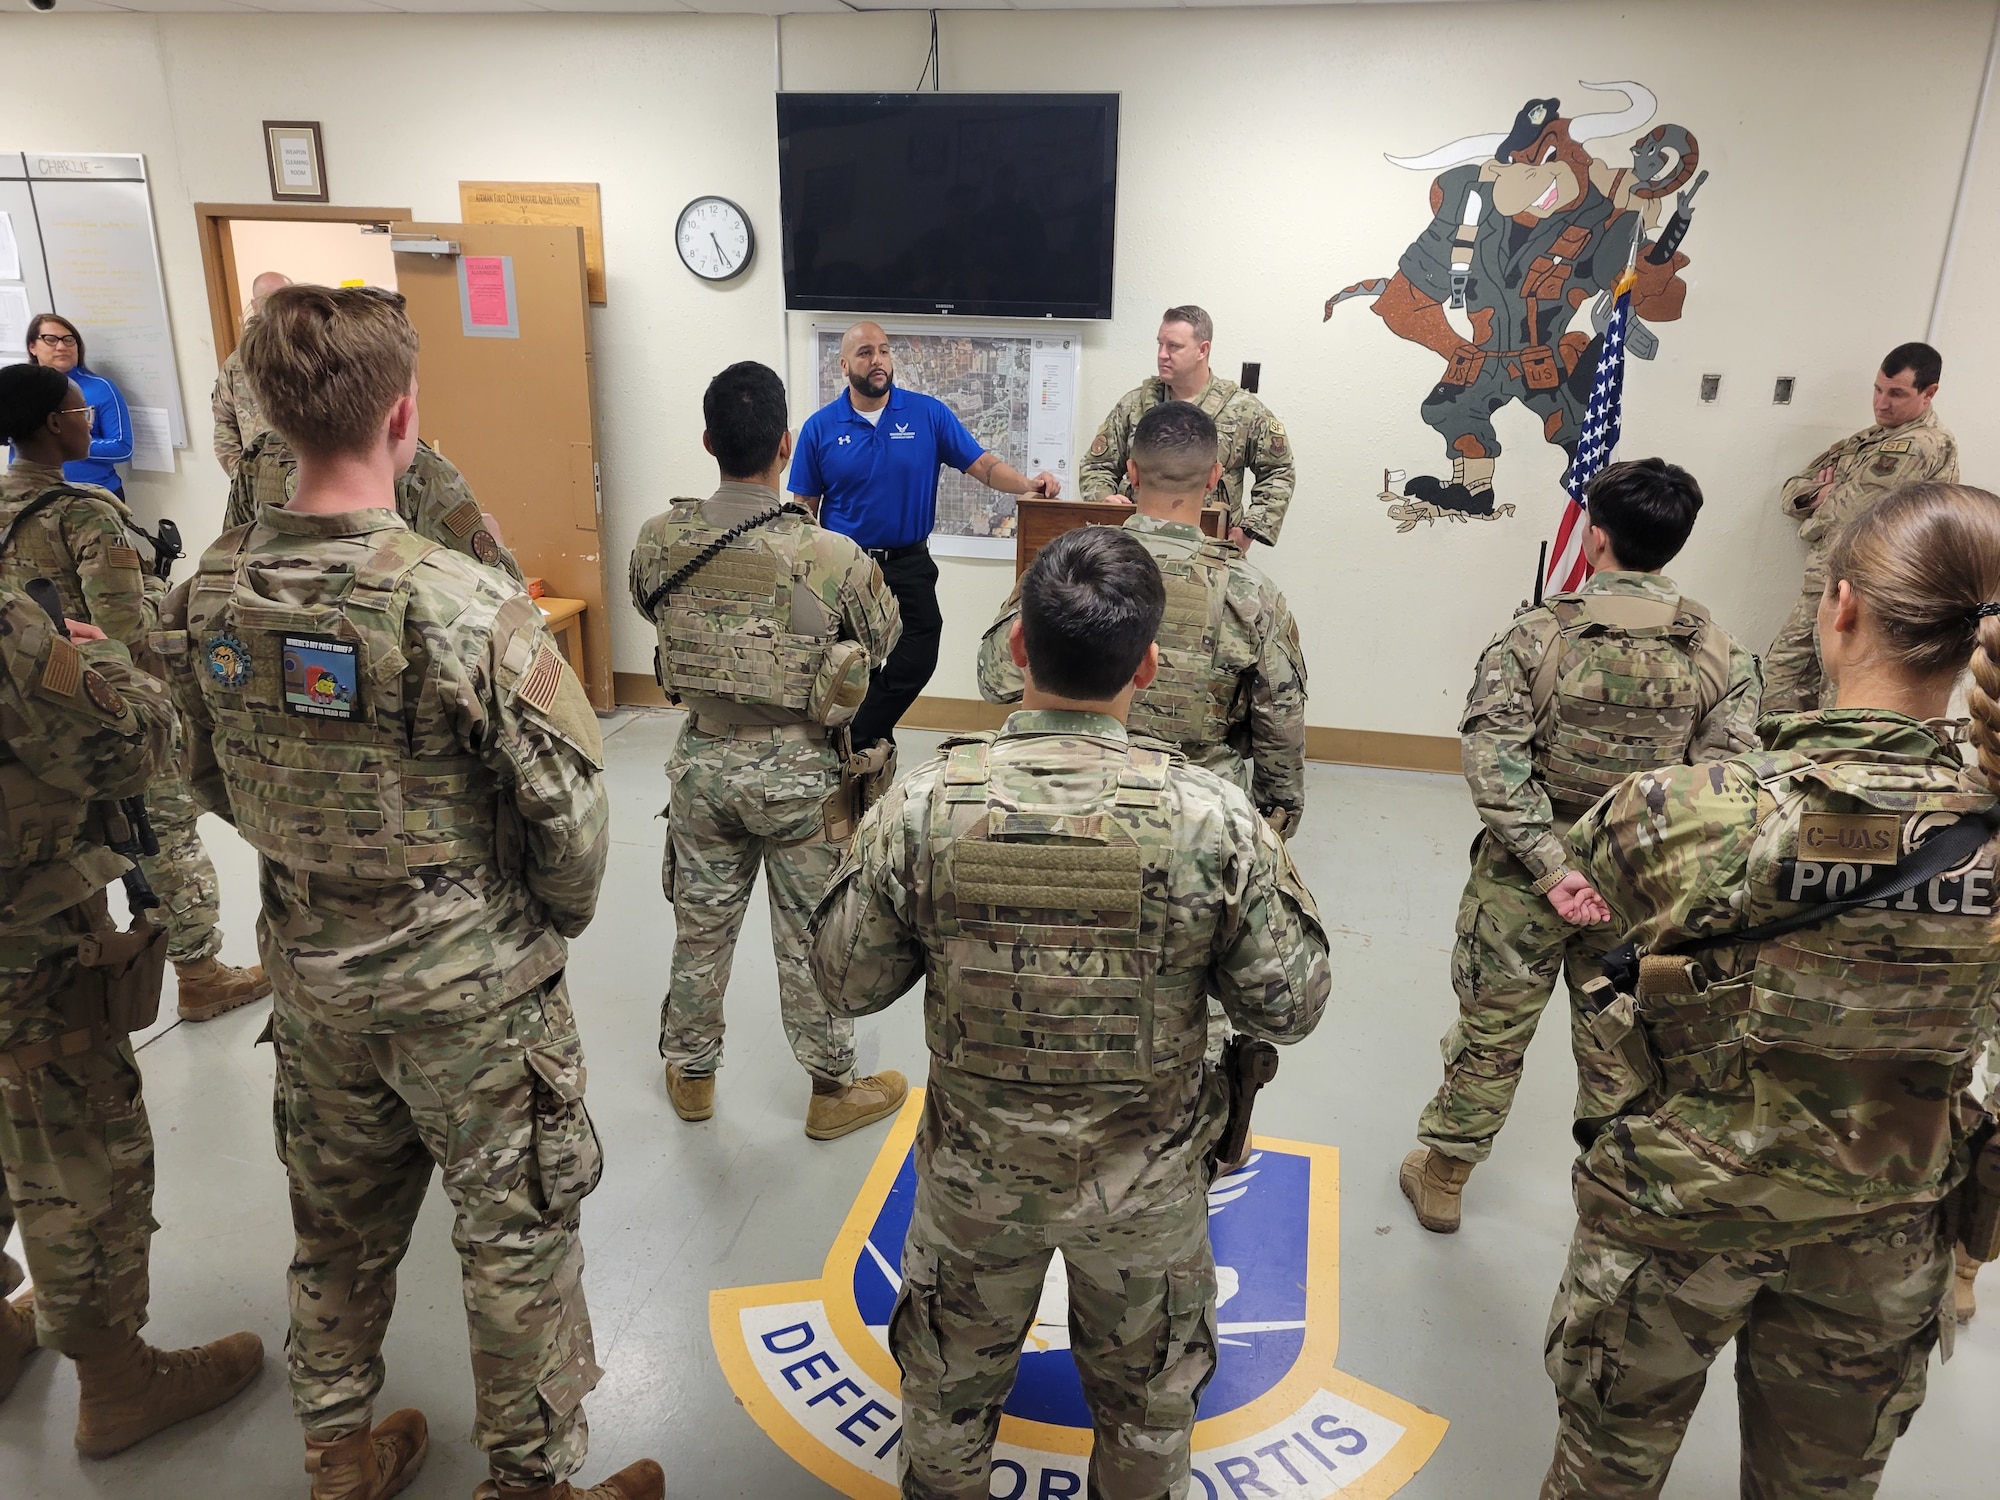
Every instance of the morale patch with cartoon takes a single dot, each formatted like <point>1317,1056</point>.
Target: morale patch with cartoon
<point>322,677</point>
<point>228,660</point>
<point>103,694</point>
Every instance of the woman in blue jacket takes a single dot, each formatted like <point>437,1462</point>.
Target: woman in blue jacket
<point>54,341</point>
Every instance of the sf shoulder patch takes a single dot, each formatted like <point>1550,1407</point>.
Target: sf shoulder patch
<point>1100,447</point>
<point>808,1359</point>
<point>62,672</point>
<point>103,694</point>
<point>543,679</point>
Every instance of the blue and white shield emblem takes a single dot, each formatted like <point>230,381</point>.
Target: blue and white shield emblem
<point>810,1361</point>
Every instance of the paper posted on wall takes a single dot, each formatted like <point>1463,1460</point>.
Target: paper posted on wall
<point>10,249</point>
<point>13,325</point>
<point>152,439</point>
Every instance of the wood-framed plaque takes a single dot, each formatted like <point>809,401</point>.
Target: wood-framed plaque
<point>297,160</point>
<point>559,203</point>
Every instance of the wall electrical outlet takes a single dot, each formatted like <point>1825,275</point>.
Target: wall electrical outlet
<point>1711,387</point>
<point>1781,393</point>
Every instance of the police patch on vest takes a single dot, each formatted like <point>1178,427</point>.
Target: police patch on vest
<point>808,1359</point>
<point>484,547</point>
<point>322,677</point>
<point>1963,893</point>
<point>103,694</point>
<point>228,660</point>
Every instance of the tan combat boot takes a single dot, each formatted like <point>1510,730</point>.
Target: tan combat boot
<point>693,1097</point>
<point>136,1390</point>
<point>1432,1182</point>
<point>862,1102</point>
<point>644,1480</point>
<point>209,987</point>
<point>369,1465</point>
<point>17,1339</point>
<point>1961,1287</point>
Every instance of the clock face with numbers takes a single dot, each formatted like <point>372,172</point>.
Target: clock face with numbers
<point>714,239</point>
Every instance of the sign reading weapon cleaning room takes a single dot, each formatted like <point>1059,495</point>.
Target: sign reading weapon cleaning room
<point>810,1362</point>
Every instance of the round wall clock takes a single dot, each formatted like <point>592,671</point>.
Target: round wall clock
<point>714,238</point>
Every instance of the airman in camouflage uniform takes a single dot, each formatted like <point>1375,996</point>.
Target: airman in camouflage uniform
<point>239,419</point>
<point>1065,1005</point>
<point>1231,690</point>
<point>1781,1181</point>
<point>431,495</point>
<point>392,728</point>
<point>85,541</point>
<point>1247,435</point>
<point>778,604</point>
<point>80,725</point>
<point>1624,674</point>
<point>1907,445</point>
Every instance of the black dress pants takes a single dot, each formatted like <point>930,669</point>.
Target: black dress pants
<point>913,580</point>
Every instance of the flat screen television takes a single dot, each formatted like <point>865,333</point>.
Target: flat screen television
<point>986,205</point>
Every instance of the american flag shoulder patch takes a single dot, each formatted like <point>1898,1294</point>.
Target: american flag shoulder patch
<point>118,555</point>
<point>543,679</point>
<point>62,673</point>
<point>462,517</point>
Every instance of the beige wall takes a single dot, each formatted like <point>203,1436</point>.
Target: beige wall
<point>1816,246</point>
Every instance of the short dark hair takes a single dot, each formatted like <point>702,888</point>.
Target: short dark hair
<point>1921,360</point>
<point>1091,603</point>
<point>744,411</point>
<point>1647,508</point>
<point>35,331</point>
<point>29,396</point>
<point>1174,444</point>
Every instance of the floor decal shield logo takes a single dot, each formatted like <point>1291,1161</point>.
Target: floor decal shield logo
<point>810,1362</point>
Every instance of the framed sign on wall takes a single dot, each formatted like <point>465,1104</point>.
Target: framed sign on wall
<point>297,161</point>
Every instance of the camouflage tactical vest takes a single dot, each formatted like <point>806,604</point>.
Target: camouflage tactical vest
<point>1854,1035</point>
<point>36,549</point>
<point>726,631</point>
<point>40,827</point>
<point>307,703</point>
<point>1046,963</point>
<point>1188,703</point>
<point>1622,688</point>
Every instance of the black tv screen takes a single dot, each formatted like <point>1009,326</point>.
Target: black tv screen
<point>989,205</point>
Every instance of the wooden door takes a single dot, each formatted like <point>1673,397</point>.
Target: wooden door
<point>504,392</point>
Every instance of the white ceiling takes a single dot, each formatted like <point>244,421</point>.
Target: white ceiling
<point>659,7</point>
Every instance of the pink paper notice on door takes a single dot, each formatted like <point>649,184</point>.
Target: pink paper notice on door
<point>486,291</point>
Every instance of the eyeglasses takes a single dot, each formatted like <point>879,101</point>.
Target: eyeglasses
<point>57,340</point>
<point>70,411</point>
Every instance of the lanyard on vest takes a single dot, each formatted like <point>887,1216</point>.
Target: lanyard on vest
<point>1927,861</point>
<point>709,553</point>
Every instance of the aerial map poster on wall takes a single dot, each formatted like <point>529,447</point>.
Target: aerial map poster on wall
<point>1015,390</point>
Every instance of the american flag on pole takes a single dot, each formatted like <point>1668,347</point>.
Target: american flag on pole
<point>1601,421</point>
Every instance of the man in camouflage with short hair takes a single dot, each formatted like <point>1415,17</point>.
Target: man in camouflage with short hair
<point>239,421</point>
<point>1072,900</point>
<point>80,726</point>
<point>1231,690</point>
<point>1906,445</point>
<point>1247,435</point>
<point>1625,675</point>
<point>394,731</point>
<point>769,628</point>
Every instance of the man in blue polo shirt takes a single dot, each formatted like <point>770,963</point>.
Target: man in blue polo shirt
<point>867,465</point>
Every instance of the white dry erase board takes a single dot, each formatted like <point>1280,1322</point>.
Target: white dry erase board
<point>81,226</point>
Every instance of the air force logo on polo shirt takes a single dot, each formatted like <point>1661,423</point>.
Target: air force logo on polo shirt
<point>900,430</point>
<point>809,1360</point>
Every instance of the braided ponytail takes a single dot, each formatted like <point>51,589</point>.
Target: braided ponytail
<point>1982,697</point>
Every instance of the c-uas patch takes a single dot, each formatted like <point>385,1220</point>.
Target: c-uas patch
<point>228,660</point>
<point>809,1359</point>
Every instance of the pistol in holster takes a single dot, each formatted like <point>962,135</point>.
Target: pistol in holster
<point>1978,1208</point>
<point>1248,1063</point>
<point>865,778</point>
<point>1619,1049</point>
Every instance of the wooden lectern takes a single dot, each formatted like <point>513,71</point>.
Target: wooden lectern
<point>1039,522</point>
